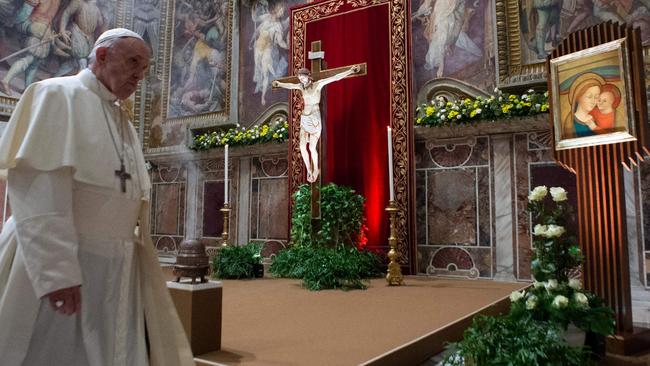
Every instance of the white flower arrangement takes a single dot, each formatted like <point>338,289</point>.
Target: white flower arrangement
<point>538,193</point>
<point>559,194</point>
<point>560,302</point>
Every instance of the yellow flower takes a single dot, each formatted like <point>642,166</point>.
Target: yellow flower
<point>544,107</point>
<point>419,120</point>
<point>452,114</point>
<point>472,113</point>
<point>275,135</point>
<point>429,111</point>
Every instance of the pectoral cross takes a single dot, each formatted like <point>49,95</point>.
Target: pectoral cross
<point>123,175</point>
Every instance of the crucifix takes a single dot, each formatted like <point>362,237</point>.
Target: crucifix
<point>310,84</point>
<point>123,175</point>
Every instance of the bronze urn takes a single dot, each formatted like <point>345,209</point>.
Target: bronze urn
<point>191,261</point>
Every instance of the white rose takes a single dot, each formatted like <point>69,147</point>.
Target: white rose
<point>558,194</point>
<point>538,193</point>
<point>551,285</point>
<point>516,296</point>
<point>531,303</point>
<point>581,299</point>
<point>554,231</point>
<point>560,302</point>
<point>540,230</point>
<point>538,284</point>
<point>575,284</point>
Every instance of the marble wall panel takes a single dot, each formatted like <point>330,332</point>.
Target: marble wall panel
<point>454,206</point>
<point>168,201</point>
<point>168,215</point>
<point>451,202</point>
<point>210,200</point>
<point>212,203</point>
<point>269,220</point>
<point>272,201</point>
<point>533,165</point>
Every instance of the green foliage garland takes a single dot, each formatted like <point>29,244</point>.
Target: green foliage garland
<point>277,131</point>
<point>502,106</point>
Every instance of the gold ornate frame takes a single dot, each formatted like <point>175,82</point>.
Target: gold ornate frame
<point>200,120</point>
<point>122,13</point>
<point>511,70</point>
<point>401,114</point>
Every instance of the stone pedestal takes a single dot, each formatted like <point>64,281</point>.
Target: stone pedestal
<point>199,308</point>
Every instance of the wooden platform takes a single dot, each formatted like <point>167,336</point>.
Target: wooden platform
<point>277,322</point>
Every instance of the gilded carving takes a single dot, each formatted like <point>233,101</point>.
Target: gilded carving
<point>400,99</point>
<point>523,43</point>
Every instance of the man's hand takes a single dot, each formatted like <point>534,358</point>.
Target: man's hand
<point>356,68</point>
<point>66,301</point>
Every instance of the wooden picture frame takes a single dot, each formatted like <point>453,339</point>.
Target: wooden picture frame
<point>592,97</point>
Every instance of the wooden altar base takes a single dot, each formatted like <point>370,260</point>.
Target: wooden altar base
<point>276,322</point>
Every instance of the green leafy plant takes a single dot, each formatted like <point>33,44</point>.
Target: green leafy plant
<point>323,268</point>
<point>502,340</point>
<point>341,217</point>
<point>330,259</point>
<point>500,106</point>
<point>236,262</point>
<point>277,131</point>
<point>554,297</point>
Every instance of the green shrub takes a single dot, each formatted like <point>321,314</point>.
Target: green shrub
<point>235,262</point>
<point>341,217</point>
<point>504,341</point>
<point>327,268</point>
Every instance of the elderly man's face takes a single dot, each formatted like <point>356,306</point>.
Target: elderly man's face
<point>124,65</point>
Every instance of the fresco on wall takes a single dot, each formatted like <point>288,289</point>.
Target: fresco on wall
<point>199,75</point>
<point>146,22</point>
<point>49,39</point>
<point>545,23</point>
<point>453,38</point>
<point>264,52</point>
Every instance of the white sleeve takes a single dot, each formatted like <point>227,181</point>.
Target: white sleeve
<point>41,203</point>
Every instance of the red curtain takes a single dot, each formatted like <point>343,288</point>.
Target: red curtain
<point>357,110</point>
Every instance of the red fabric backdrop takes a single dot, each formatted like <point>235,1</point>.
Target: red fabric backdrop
<point>357,110</point>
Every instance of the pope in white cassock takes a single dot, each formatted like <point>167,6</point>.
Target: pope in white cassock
<point>78,283</point>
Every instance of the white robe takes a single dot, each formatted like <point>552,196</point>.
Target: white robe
<point>72,225</point>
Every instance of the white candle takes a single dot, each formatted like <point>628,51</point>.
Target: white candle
<point>225,179</point>
<point>390,164</point>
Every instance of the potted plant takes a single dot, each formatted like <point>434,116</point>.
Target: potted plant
<point>555,297</point>
<point>236,262</point>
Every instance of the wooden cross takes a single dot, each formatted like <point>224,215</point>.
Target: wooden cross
<point>123,175</point>
<point>318,72</point>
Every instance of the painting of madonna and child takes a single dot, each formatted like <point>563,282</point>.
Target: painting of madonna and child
<point>591,98</point>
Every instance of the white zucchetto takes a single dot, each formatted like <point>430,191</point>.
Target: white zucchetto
<point>116,33</point>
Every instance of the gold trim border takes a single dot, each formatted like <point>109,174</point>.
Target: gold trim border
<point>225,112</point>
<point>120,12</point>
<point>400,99</point>
<point>511,68</point>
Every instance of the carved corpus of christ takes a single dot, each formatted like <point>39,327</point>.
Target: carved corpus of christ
<point>310,119</point>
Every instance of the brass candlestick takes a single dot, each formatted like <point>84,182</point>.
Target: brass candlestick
<point>226,219</point>
<point>394,273</point>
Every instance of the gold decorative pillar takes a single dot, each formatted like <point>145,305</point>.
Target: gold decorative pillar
<point>394,273</point>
